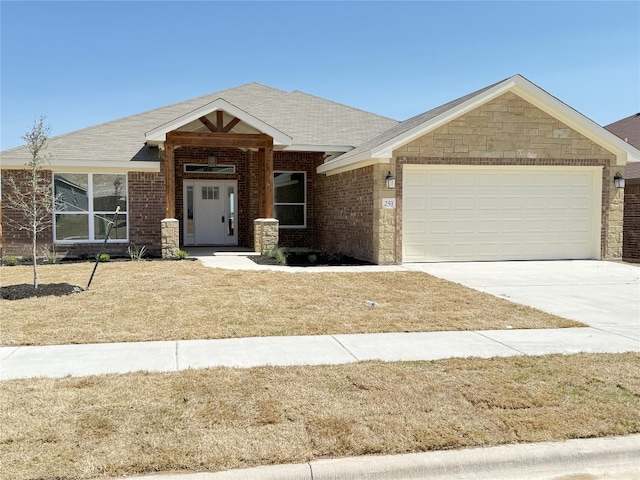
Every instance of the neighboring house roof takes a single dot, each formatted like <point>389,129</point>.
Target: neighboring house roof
<point>632,171</point>
<point>628,129</point>
<point>380,148</point>
<point>302,119</point>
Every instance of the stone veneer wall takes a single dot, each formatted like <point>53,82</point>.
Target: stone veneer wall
<point>631,228</point>
<point>384,219</point>
<point>345,213</point>
<point>510,131</point>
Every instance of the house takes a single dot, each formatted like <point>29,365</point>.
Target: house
<point>628,129</point>
<point>505,173</point>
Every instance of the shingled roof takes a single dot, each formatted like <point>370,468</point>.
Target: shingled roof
<point>628,129</point>
<point>307,119</point>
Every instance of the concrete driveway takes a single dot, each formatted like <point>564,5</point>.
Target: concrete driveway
<point>604,295</point>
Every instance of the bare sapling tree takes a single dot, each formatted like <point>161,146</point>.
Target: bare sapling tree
<point>33,200</point>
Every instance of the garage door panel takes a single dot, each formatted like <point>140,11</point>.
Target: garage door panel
<point>496,213</point>
<point>414,203</point>
<point>439,203</point>
<point>417,179</point>
<point>463,226</point>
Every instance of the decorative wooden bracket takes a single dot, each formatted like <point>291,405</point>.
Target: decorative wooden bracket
<point>219,127</point>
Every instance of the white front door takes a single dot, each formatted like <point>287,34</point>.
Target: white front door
<point>210,212</point>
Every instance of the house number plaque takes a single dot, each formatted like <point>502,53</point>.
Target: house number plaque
<point>388,203</point>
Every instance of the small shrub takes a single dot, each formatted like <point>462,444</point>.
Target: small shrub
<point>27,258</point>
<point>50,254</point>
<point>136,253</point>
<point>104,257</point>
<point>277,253</point>
<point>313,258</point>
<point>11,261</point>
<point>181,255</point>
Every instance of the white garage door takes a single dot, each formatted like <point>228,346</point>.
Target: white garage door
<point>470,213</point>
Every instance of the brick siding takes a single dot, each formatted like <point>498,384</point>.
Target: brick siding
<point>248,176</point>
<point>300,162</point>
<point>631,228</point>
<point>224,156</point>
<point>146,209</point>
<point>15,241</point>
<point>344,213</point>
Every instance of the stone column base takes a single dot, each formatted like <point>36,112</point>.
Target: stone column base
<point>265,234</point>
<point>170,229</point>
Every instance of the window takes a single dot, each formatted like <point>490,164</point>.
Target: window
<point>87,203</point>
<point>289,198</point>
<point>196,168</point>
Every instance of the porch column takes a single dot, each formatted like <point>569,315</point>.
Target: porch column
<point>170,229</point>
<point>169,181</point>
<point>268,182</point>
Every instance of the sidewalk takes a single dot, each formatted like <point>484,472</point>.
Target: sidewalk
<point>168,356</point>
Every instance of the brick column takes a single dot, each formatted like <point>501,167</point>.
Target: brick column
<point>170,237</point>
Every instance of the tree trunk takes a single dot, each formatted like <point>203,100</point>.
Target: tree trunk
<point>34,225</point>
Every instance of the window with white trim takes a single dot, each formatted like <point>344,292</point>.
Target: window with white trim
<point>86,205</point>
<point>290,199</point>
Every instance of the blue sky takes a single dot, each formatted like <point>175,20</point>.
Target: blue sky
<point>84,63</point>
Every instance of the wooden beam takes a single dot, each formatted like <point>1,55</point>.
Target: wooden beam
<point>169,181</point>
<point>268,180</point>
<point>207,123</point>
<point>231,124</point>
<point>219,139</point>
<point>261,185</point>
<point>219,120</point>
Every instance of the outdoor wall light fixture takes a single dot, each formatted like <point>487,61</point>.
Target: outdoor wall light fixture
<point>618,180</point>
<point>390,181</point>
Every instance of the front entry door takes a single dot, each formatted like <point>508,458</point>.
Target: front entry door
<point>210,212</point>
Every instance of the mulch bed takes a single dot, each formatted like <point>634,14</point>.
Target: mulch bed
<point>26,290</point>
<point>311,259</point>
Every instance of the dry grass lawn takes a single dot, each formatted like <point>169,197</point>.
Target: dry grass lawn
<point>142,301</point>
<point>208,420</point>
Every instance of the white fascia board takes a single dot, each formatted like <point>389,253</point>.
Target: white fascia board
<point>336,166</point>
<point>318,148</point>
<point>386,149</point>
<point>159,134</point>
<point>585,126</point>
<point>339,163</point>
<point>83,166</point>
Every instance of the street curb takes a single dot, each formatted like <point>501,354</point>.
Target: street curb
<point>539,461</point>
